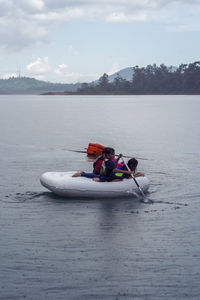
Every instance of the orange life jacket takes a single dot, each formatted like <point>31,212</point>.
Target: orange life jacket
<point>94,149</point>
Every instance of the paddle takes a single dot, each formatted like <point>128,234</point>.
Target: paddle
<point>141,191</point>
<point>83,151</point>
<point>78,151</point>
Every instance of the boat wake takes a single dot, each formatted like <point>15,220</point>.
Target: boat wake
<point>27,196</point>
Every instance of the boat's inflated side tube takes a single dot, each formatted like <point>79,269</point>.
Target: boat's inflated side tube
<point>63,184</point>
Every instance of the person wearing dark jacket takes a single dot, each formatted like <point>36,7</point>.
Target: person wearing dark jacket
<point>109,167</point>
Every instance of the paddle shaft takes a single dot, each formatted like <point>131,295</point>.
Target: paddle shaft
<point>141,191</point>
<point>118,155</point>
<point>83,151</point>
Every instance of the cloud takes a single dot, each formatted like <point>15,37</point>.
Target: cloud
<point>38,68</point>
<point>31,5</point>
<point>63,73</point>
<point>61,70</point>
<point>25,23</point>
<point>22,34</point>
<point>125,18</point>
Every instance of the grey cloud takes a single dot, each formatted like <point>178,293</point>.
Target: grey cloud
<point>5,6</point>
<point>21,33</point>
<point>28,22</point>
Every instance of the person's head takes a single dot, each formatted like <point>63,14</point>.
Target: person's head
<point>132,164</point>
<point>108,153</point>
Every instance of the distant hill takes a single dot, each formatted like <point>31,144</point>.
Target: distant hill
<point>25,85</point>
<point>149,80</point>
<point>126,73</point>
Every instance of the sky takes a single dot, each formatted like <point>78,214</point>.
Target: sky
<point>73,41</point>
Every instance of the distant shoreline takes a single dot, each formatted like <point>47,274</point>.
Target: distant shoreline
<point>112,94</point>
<point>56,93</point>
<point>106,94</point>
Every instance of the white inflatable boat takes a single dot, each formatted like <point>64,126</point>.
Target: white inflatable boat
<point>63,184</point>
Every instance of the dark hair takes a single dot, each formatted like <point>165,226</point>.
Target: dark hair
<point>107,151</point>
<point>132,164</point>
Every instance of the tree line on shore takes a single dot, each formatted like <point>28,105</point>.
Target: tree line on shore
<point>152,79</point>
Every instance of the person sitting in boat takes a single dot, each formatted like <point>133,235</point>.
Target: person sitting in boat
<point>132,164</point>
<point>109,167</point>
<point>98,162</point>
<point>96,166</point>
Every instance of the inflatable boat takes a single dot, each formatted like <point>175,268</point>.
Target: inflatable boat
<point>63,184</point>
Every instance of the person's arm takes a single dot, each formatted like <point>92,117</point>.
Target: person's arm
<point>138,174</point>
<point>122,171</point>
<point>118,158</point>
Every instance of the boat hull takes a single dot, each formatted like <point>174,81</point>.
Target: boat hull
<point>63,184</point>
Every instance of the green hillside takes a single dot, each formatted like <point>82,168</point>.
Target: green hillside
<point>25,85</point>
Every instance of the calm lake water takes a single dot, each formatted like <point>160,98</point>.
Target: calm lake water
<point>54,248</point>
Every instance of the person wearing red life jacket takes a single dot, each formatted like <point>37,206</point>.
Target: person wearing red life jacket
<point>96,167</point>
<point>109,167</point>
